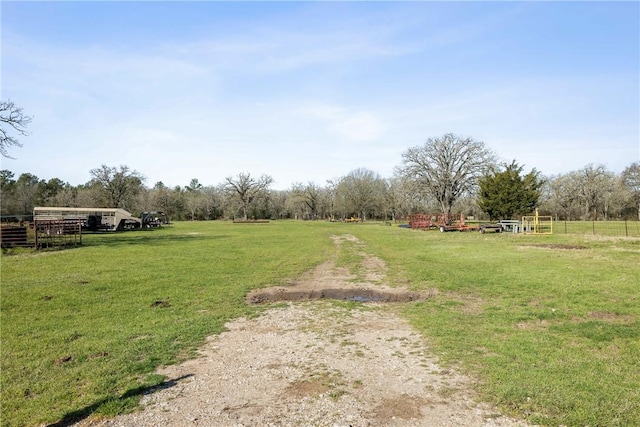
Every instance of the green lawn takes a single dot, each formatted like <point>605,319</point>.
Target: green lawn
<point>550,325</point>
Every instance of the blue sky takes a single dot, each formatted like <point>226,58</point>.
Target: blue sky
<point>309,91</point>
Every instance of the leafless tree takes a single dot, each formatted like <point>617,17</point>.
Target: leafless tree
<point>447,167</point>
<point>246,189</point>
<point>12,119</point>
<point>117,186</point>
<point>561,196</point>
<point>404,198</point>
<point>594,184</point>
<point>280,202</point>
<point>307,199</point>
<point>194,196</point>
<point>212,203</point>
<point>162,199</point>
<point>631,179</point>
<point>361,192</point>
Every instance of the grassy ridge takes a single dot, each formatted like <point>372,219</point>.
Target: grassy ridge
<point>549,324</point>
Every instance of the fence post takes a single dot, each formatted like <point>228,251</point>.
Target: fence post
<point>626,230</point>
<point>593,227</point>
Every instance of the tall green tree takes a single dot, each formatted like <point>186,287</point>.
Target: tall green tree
<point>7,189</point>
<point>506,193</point>
<point>28,193</point>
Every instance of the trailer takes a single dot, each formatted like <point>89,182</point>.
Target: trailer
<point>447,222</point>
<point>91,219</point>
<point>495,227</point>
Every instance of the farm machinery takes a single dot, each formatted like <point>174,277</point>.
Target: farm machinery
<point>442,222</point>
<point>454,222</point>
<point>458,222</point>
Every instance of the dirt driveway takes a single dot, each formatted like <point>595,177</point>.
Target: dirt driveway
<point>316,363</point>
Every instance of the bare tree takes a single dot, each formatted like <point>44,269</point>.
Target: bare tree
<point>403,197</point>
<point>117,186</point>
<point>561,196</point>
<point>594,183</point>
<point>280,201</point>
<point>631,179</point>
<point>11,117</point>
<point>447,167</point>
<point>246,189</point>
<point>211,204</point>
<point>308,198</point>
<point>193,195</point>
<point>362,192</point>
<point>162,200</point>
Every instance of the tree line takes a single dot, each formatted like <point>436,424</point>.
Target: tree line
<point>446,174</point>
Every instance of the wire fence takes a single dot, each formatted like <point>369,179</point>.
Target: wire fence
<point>623,228</point>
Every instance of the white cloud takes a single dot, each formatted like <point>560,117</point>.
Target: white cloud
<point>347,125</point>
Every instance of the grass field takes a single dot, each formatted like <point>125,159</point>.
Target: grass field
<point>601,228</point>
<point>550,325</point>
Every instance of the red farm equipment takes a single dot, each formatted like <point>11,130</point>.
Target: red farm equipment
<point>447,222</point>
<point>423,221</point>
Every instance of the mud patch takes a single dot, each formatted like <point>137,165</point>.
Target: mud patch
<point>327,281</point>
<point>261,296</point>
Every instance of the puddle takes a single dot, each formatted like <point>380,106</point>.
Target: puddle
<point>268,295</point>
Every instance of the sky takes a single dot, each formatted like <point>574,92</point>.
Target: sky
<point>310,91</point>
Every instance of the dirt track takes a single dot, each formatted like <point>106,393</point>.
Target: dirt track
<point>316,363</point>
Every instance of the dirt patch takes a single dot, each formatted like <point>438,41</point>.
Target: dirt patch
<point>534,325</point>
<point>605,316</point>
<point>556,246</point>
<point>466,304</point>
<point>314,363</point>
<point>63,360</point>
<point>330,282</point>
<point>403,407</point>
<point>305,388</point>
<point>160,304</point>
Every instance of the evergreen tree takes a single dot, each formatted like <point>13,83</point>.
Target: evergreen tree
<point>506,193</point>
